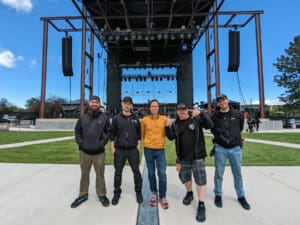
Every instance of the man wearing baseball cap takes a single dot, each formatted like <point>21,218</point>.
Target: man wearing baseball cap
<point>190,150</point>
<point>125,145</point>
<point>227,129</point>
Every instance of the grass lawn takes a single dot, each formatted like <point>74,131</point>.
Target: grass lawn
<point>16,136</point>
<point>254,154</point>
<point>293,138</point>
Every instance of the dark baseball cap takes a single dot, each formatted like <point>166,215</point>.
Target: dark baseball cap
<point>127,99</point>
<point>94,97</point>
<point>181,106</point>
<point>221,97</point>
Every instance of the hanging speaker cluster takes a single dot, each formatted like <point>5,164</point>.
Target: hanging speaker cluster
<point>234,51</point>
<point>67,56</point>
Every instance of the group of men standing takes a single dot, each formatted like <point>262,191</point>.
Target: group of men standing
<point>125,132</point>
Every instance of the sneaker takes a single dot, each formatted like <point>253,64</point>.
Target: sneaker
<point>139,197</point>
<point>244,203</point>
<point>201,216</point>
<point>104,200</point>
<point>218,201</point>
<point>77,202</point>
<point>115,199</point>
<point>188,198</point>
<point>153,200</point>
<point>164,203</point>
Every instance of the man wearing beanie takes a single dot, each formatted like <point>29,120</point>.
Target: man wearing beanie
<point>92,132</point>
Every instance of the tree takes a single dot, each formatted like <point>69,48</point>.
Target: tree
<point>289,67</point>
<point>33,105</point>
<point>4,105</point>
<point>54,105</point>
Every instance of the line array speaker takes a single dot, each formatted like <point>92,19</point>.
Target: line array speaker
<point>67,56</point>
<point>234,51</point>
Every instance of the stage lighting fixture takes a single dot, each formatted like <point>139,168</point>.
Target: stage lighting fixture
<point>133,36</point>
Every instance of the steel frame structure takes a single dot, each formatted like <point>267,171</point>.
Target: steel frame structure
<point>129,36</point>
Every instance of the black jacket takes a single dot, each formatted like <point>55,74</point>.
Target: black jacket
<point>126,131</point>
<point>227,128</point>
<point>92,132</point>
<point>199,146</point>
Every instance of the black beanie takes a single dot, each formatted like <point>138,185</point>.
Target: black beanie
<point>94,97</point>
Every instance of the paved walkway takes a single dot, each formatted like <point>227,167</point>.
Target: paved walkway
<point>21,144</point>
<point>277,143</point>
<point>41,194</point>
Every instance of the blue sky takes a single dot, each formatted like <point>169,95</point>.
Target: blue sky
<point>21,54</point>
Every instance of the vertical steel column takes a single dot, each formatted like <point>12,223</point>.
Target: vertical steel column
<point>208,74</point>
<point>44,69</point>
<point>83,48</point>
<point>216,47</point>
<point>92,60</point>
<point>260,67</point>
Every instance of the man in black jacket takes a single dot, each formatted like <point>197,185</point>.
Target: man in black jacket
<point>125,144</point>
<point>190,150</point>
<point>227,129</point>
<point>92,132</point>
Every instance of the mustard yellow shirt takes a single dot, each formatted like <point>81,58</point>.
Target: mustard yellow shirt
<point>153,131</point>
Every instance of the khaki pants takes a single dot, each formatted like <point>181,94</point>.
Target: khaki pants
<point>86,162</point>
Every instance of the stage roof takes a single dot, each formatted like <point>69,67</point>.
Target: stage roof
<point>148,32</point>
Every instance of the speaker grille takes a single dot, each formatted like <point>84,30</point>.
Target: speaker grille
<point>67,56</point>
<point>234,51</point>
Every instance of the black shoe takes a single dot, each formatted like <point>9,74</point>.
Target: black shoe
<point>139,197</point>
<point>104,200</point>
<point>201,213</point>
<point>78,201</point>
<point>244,203</point>
<point>218,201</point>
<point>188,198</point>
<point>115,200</point>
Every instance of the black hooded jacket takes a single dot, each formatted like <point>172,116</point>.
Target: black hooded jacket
<point>197,123</point>
<point>92,132</point>
<point>227,128</point>
<point>126,131</point>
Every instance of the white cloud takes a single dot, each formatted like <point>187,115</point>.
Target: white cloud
<point>33,64</point>
<point>269,102</point>
<point>8,59</point>
<point>19,5</point>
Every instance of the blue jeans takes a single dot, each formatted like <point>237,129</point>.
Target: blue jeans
<point>156,157</point>
<point>235,158</point>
